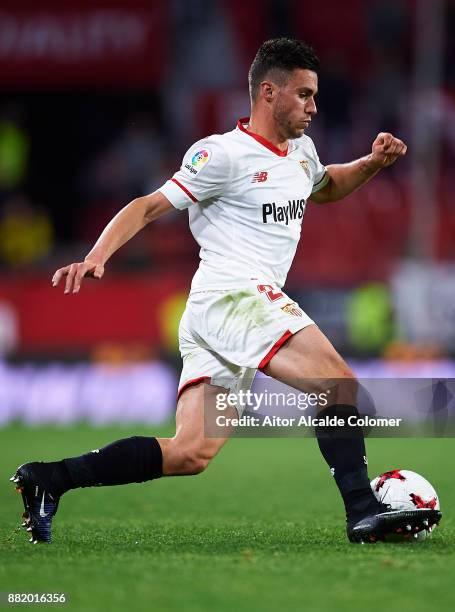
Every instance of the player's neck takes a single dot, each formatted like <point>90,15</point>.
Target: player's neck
<point>262,126</point>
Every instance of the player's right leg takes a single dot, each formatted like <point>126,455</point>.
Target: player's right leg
<point>136,459</point>
<point>189,451</point>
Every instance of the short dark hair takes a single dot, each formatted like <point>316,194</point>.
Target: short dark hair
<point>282,55</point>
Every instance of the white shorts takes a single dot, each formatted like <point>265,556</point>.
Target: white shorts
<point>225,336</point>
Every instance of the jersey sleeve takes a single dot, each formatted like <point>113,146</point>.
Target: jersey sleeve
<point>204,172</point>
<point>319,171</point>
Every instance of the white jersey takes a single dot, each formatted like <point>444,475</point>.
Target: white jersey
<point>246,200</point>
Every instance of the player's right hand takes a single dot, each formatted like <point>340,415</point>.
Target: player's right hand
<point>75,272</point>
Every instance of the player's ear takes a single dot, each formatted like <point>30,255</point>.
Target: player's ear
<point>267,90</point>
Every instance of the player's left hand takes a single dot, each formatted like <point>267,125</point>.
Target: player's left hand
<point>386,149</point>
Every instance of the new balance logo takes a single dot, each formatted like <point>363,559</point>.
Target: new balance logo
<point>260,177</point>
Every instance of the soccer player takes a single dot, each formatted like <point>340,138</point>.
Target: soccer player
<point>246,193</point>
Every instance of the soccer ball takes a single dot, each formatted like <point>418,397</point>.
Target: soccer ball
<point>406,490</point>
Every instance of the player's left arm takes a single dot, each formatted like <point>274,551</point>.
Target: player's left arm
<point>346,178</point>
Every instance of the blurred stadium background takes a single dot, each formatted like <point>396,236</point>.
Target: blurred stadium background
<point>99,101</point>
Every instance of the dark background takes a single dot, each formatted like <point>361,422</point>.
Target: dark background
<point>100,100</point>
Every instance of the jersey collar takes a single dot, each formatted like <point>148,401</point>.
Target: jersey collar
<point>260,139</point>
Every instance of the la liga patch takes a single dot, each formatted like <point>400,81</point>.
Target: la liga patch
<point>198,159</point>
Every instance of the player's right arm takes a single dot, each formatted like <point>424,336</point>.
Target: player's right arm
<point>126,224</point>
<point>205,169</point>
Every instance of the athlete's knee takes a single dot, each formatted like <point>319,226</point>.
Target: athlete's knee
<point>339,381</point>
<point>338,367</point>
<point>194,462</point>
<point>183,461</point>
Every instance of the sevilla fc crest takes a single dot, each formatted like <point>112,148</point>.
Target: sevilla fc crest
<point>292,309</point>
<point>305,166</point>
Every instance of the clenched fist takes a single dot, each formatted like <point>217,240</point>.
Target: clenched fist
<point>386,149</point>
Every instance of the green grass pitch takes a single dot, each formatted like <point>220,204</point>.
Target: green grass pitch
<point>261,529</point>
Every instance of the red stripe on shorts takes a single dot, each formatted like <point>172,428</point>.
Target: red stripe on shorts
<point>193,381</point>
<point>275,348</point>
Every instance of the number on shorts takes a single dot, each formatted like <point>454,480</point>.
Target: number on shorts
<point>270,292</point>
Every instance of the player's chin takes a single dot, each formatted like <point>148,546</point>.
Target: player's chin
<point>299,131</point>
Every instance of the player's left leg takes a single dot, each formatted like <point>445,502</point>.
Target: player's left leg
<point>309,362</point>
